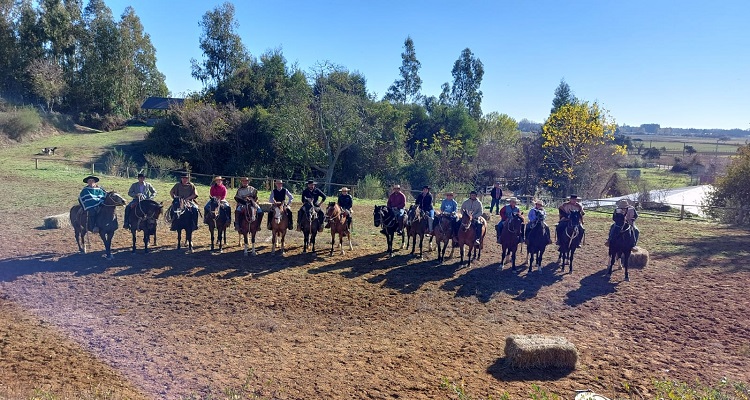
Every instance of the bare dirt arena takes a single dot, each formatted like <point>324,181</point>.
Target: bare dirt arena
<point>169,325</point>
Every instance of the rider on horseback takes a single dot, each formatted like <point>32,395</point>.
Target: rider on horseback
<point>345,202</point>
<point>537,215</point>
<point>218,191</point>
<point>397,202</point>
<point>280,194</point>
<point>244,194</point>
<point>140,190</point>
<point>185,190</point>
<point>624,213</point>
<point>474,206</point>
<point>424,202</point>
<point>448,208</point>
<point>506,213</point>
<point>313,194</point>
<point>91,198</point>
<point>564,214</point>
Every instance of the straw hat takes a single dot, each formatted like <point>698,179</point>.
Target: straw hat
<point>539,201</point>
<point>278,181</point>
<point>449,193</point>
<point>218,178</point>
<point>244,179</point>
<point>344,189</point>
<point>397,187</point>
<point>512,199</point>
<point>622,203</point>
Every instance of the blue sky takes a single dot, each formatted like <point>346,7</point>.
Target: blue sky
<point>677,63</point>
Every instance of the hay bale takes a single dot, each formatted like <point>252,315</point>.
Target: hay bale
<point>487,216</point>
<point>57,221</point>
<point>638,257</point>
<point>539,351</point>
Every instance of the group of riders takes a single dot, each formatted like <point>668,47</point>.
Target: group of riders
<point>184,192</point>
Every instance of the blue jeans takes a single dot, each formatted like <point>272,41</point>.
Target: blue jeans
<point>495,203</point>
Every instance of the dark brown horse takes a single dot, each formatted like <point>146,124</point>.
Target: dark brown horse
<point>279,224</point>
<point>339,221</point>
<point>219,218</point>
<point>180,217</point>
<point>621,246</point>
<point>569,234</point>
<point>417,225</point>
<point>443,234</point>
<point>249,222</point>
<point>537,240</point>
<point>144,218</point>
<point>385,217</point>
<point>510,237</point>
<point>106,221</point>
<point>309,224</point>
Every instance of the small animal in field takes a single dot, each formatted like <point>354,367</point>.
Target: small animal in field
<point>49,151</point>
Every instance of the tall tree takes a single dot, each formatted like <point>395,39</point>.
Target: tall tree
<point>223,51</point>
<point>467,78</point>
<point>408,87</point>
<point>8,46</point>
<point>728,200</point>
<point>563,96</point>
<point>46,80</point>
<point>569,136</point>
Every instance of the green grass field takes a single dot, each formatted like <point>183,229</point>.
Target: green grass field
<point>675,144</point>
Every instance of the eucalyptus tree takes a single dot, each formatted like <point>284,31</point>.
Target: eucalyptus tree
<point>407,89</point>
<point>467,78</point>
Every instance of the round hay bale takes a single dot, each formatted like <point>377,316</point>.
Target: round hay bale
<point>638,257</point>
<point>487,217</point>
<point>539,351</point>
<point>57,221</point>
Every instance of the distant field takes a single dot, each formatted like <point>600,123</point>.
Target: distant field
<point>656,178</point>
<point>675,144</point>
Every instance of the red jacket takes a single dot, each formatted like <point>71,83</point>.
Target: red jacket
<point>397,200</point>
<point>218,191</point>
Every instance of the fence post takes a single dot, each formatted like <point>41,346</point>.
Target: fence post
<point>36,161</point>
<point>92,167</point>
<point>682,211</point>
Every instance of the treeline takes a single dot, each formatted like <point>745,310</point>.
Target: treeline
<point>77,60</point>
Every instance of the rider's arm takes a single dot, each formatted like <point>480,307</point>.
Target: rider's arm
<point>289,196</point>
<point>151,191</point>
<point>270,198</point>
<point>173,192</point>
<point>323,198</point>
<point>131,192</point>
<point>194,193</point>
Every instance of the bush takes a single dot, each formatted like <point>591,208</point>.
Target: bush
<point>117,162</point>
<point>107,122</point>
<point>160,166</point>
<point>21,124</point>
<point>370,187</point>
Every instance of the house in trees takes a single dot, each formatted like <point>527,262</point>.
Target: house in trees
<point>154,108</point>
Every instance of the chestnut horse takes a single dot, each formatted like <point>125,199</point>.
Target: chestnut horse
<point>467,237</point>
<point>249,222</point>
<point>443,233</point>
<point>106,221</point>
<point>509,239</point>
<point>339,221</point>
<point>279,224</point>
<point>144,217</point>
<point>417,225</point>
<point>219,217</point>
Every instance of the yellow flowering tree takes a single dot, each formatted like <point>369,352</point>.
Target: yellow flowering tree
<point>570,136</point>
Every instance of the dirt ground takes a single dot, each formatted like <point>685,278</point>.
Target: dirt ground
<point>168,325</point>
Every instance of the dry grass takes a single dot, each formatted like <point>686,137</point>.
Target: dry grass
<point>538,351</point>
<point>638,257</point>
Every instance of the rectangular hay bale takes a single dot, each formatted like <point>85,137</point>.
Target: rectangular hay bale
<point>539,351</point>
<point>57,221</point>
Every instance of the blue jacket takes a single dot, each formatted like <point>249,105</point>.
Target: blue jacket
<point>448,206</point>
<point>91,197</point>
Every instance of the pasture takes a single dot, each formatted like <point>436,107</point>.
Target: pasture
<point>174,325</point>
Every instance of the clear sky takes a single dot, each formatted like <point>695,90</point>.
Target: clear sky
<point>677,63</point>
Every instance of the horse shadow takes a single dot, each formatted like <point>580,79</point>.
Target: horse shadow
<point>595,285</point>
<point>409,278</point>
<point>358,266</point>
<point>46,262</point>
<point>483,283</point>
<point>502,372</point>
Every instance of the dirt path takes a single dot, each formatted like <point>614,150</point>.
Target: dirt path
<point>171,324</point>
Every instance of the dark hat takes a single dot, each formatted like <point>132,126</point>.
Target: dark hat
<point>473,192</point>
<point>573,196</point>
<point>86,179</point>
<point>310,182</point>
<point>184,176</point>
<point>426,187</point>
<point>141,175</point>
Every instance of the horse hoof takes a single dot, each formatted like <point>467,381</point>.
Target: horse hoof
<point>110,257</point>
<point>627,279</point>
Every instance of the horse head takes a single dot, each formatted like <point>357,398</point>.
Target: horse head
<point>574,219</point>
<point>514,223</point>
<point>114,199</point>
<point>466,219</point>
<point>332,211</point>
<point>278,211</point>
<point>377,215</point>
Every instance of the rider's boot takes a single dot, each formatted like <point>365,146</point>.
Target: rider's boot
<point>195,220</point>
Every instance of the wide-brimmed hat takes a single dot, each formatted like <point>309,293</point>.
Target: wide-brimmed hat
<point>244,178</point>
<point>278,181</point>
<point>311,182</point>
<point>344,189</point>
<point>512,199</point>
<point>573,196</point>
<point>86,179</point>
<point>539,201</point>
<point>473,192</point>
<point>218,178</point>
<point>184,176</point>
<point>425,187</point>
<point>622,203</point>
<point>397,187</point>
<point>449,193</point>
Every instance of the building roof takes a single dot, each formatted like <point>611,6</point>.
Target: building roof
<point>161,103</point>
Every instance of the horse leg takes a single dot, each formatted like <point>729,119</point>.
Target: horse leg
<point>626,257</point>
<point>305,240</point>
<point>314,234</point>
<point>107,239</point>
<point>570,261</point>
<point>283,239</point>
<point>212,237</point>
<point>179,238</point>
<point>513,259</point>
<point>189,240</point>
<point>252,239</point>
<point>273,242</point>
<point>132,231</point>
<point>421,240</point>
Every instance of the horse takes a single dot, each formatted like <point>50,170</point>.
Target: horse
<point>219,218</point>
<point>249,222</point>
<point>339,221</point>
<point>106,221</point>
<point>569,236</point>
<point>385,216</point>
<point>181,219</point>
<point>309,224</point>
<point>417,225</point>
<point>536,243</point>
<point>144,217</point>
<point>467,237</point>
<point>620,246</point>
<point>443,233</point>
<point>509,239</point>
<point>279,224</point>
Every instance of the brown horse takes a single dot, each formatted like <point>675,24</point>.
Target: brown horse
<point>466,235</point>
<point>339,221</point>
<point>309,223</point>
<point>510,237</point>
<point>443,234</point>
<point>218,217</point>
<point>144,218</point>
<point>106,221</point>
<point>417,225</point>
<point>279,223</point>
<point>249,222</point>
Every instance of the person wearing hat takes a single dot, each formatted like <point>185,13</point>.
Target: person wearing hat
<point>140,190</point>
<point>474,206</point>
<point>218,191</point>
<point>449,208</point>
<point>397,202</point>
<point>91,199</point>
<point>245,193</point>
<point>497,196</point>
<point>316,197</point>
<point>185,190</point>
<point>424,202</point>
<point>624,212</point>
<point>282,195</point>
<point>564,213</point>
<point>345,202</point>
<point>505,213</point>
<point>538,215</point>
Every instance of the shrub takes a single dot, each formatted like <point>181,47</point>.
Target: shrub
<point>20,124</point>
<point>116,163</point>
<point>370,187</point>
<point>160,166</point>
